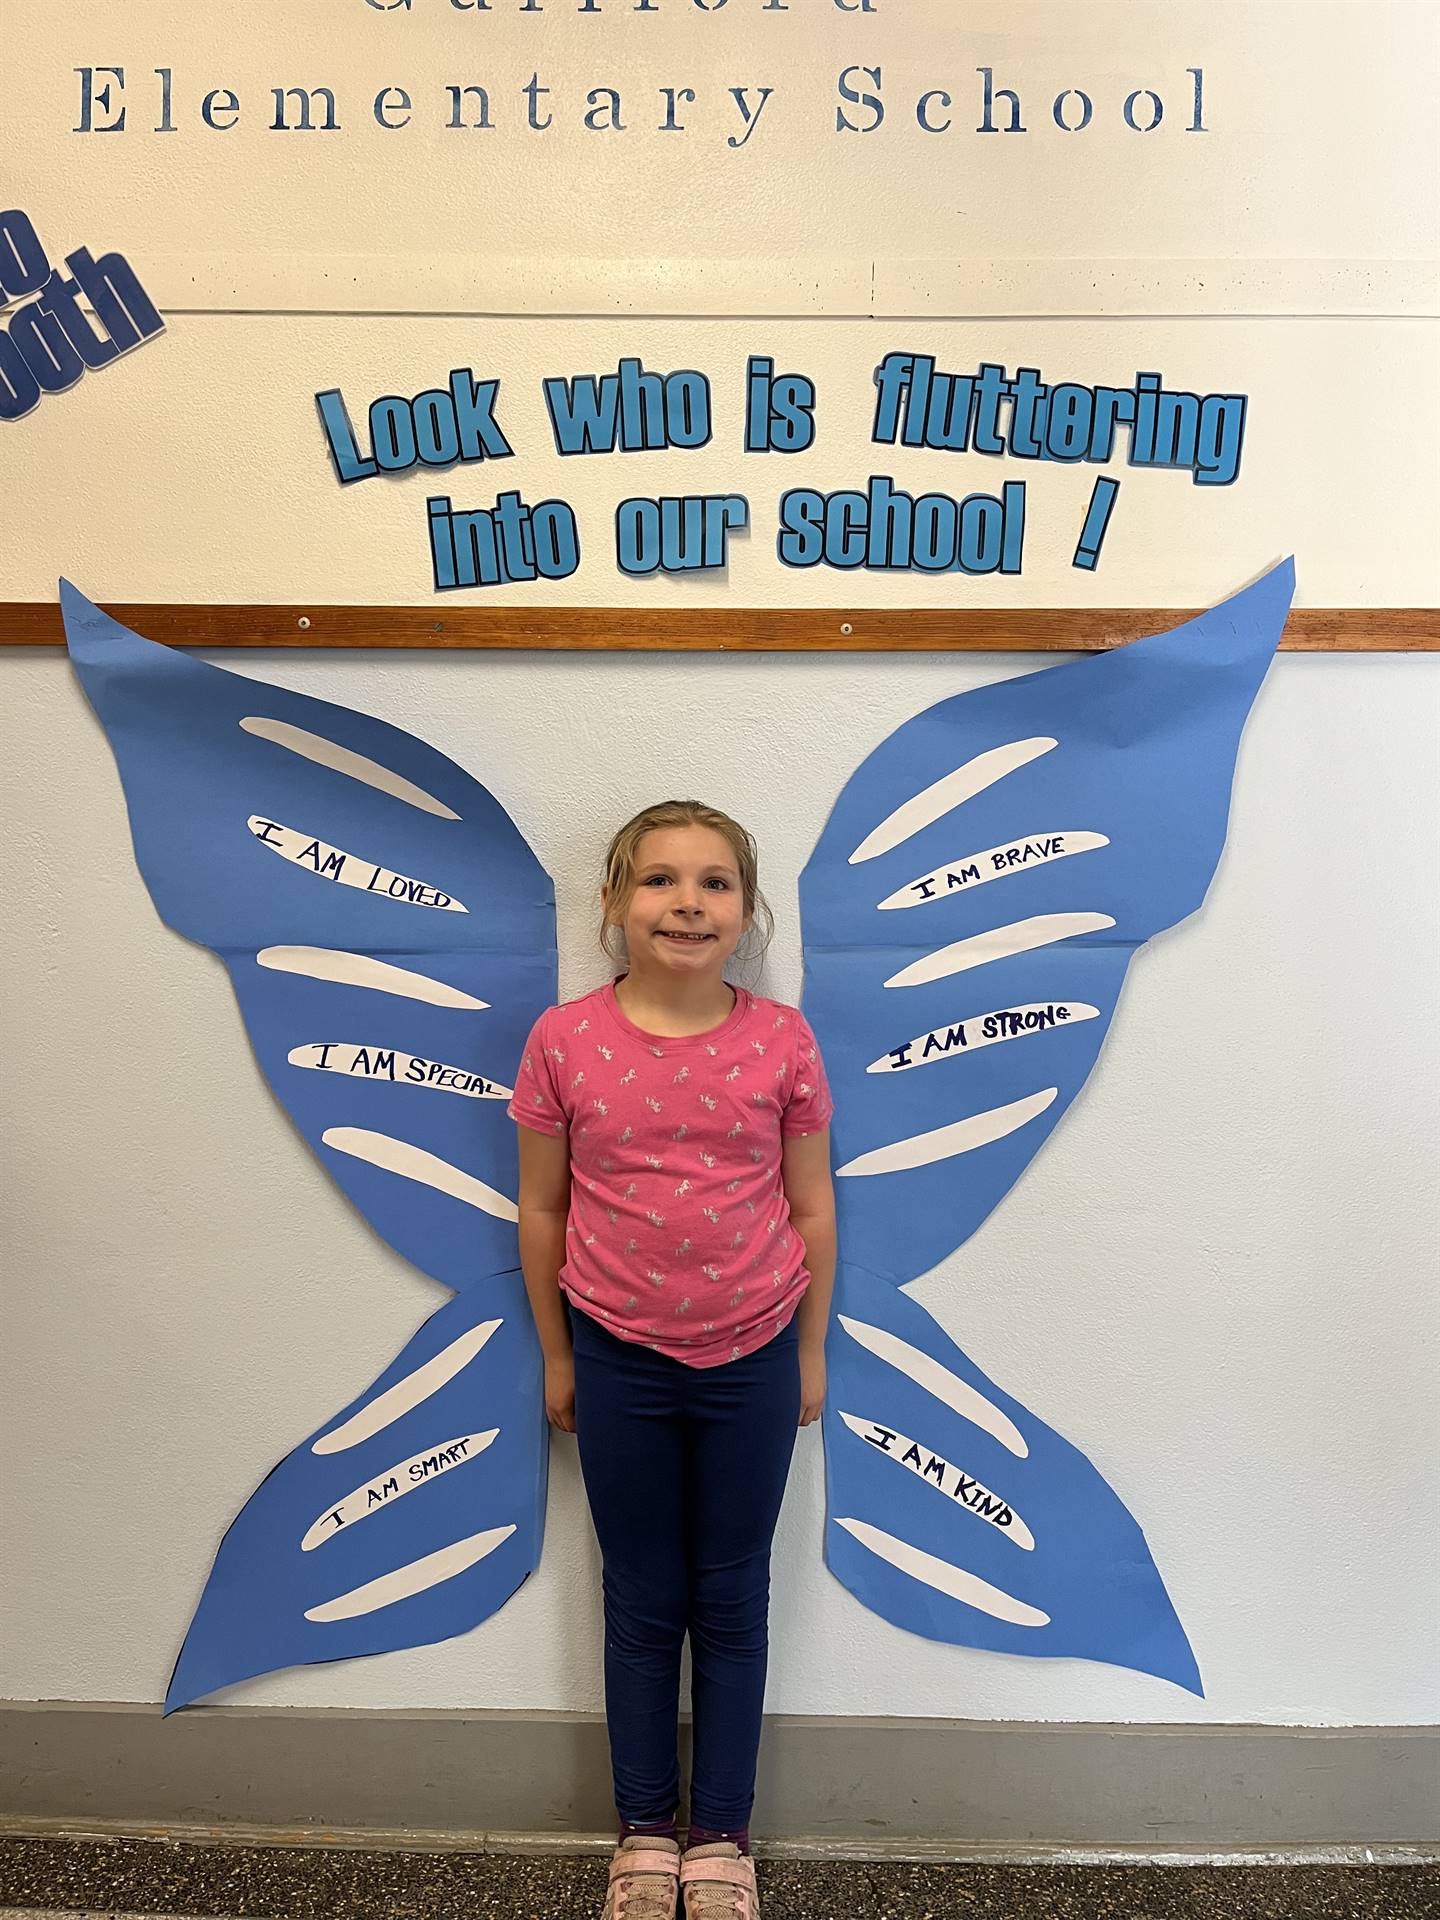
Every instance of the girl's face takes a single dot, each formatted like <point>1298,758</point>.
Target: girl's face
<point>686,913</point>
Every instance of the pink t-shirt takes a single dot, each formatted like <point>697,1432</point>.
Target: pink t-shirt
<point>679,1234</point>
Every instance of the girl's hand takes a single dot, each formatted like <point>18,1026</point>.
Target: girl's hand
<point>560,1393</point>
<point>812,1384</point>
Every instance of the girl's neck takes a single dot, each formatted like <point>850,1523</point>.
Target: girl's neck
<point>674,1008</point>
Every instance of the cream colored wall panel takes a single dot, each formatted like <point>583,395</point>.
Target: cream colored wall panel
<point>1293,134</point>
<point>196,468</point>
<point>819,284</point>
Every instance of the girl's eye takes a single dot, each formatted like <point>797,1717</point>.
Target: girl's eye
<point>658,880</point>
<point>723,884</point>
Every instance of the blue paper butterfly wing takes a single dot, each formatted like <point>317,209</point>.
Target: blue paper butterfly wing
<point>407,1519</point>
<point>957,1514</point>
<point>387,1026</point>
<point>432,1095</point>
<point>1025,839</point>
<point>326,855</point>
<point>903,1223</point>
<point>1144,742</point>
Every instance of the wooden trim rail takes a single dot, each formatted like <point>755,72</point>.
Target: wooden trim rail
<point>36,623</point>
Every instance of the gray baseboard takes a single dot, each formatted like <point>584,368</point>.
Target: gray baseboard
<point>966,1783</point>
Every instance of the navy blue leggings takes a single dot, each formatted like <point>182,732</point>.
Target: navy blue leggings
<point>684,1469</point>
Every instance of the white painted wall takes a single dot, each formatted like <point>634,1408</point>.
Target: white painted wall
<point>1311,189</point>
<point>1219,1278</point>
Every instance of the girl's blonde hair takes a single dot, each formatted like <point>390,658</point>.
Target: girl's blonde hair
<point>620,863</point>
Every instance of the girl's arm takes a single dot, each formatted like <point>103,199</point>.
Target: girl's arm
<point>805,1172</point>
<point>544,1210</point>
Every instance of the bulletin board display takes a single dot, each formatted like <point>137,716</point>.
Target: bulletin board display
<point>720,323</point>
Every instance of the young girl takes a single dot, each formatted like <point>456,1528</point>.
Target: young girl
<point>677,1232</point>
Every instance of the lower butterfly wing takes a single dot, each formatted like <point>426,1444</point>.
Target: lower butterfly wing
<point>955,1513</point>
<point>409,1518</point>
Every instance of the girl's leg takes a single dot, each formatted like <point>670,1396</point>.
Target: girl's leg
<point>741,1433</point>
<point>630,1433</point>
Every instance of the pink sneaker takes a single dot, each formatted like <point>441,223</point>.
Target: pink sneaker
<point>644,1879</point>
<point>719,1883</point>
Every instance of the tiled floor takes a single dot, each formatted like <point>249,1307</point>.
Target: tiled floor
<point>46,1877</point>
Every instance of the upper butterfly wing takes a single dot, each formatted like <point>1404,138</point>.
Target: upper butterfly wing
<point>976,895</point>
<point>389,933</point>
